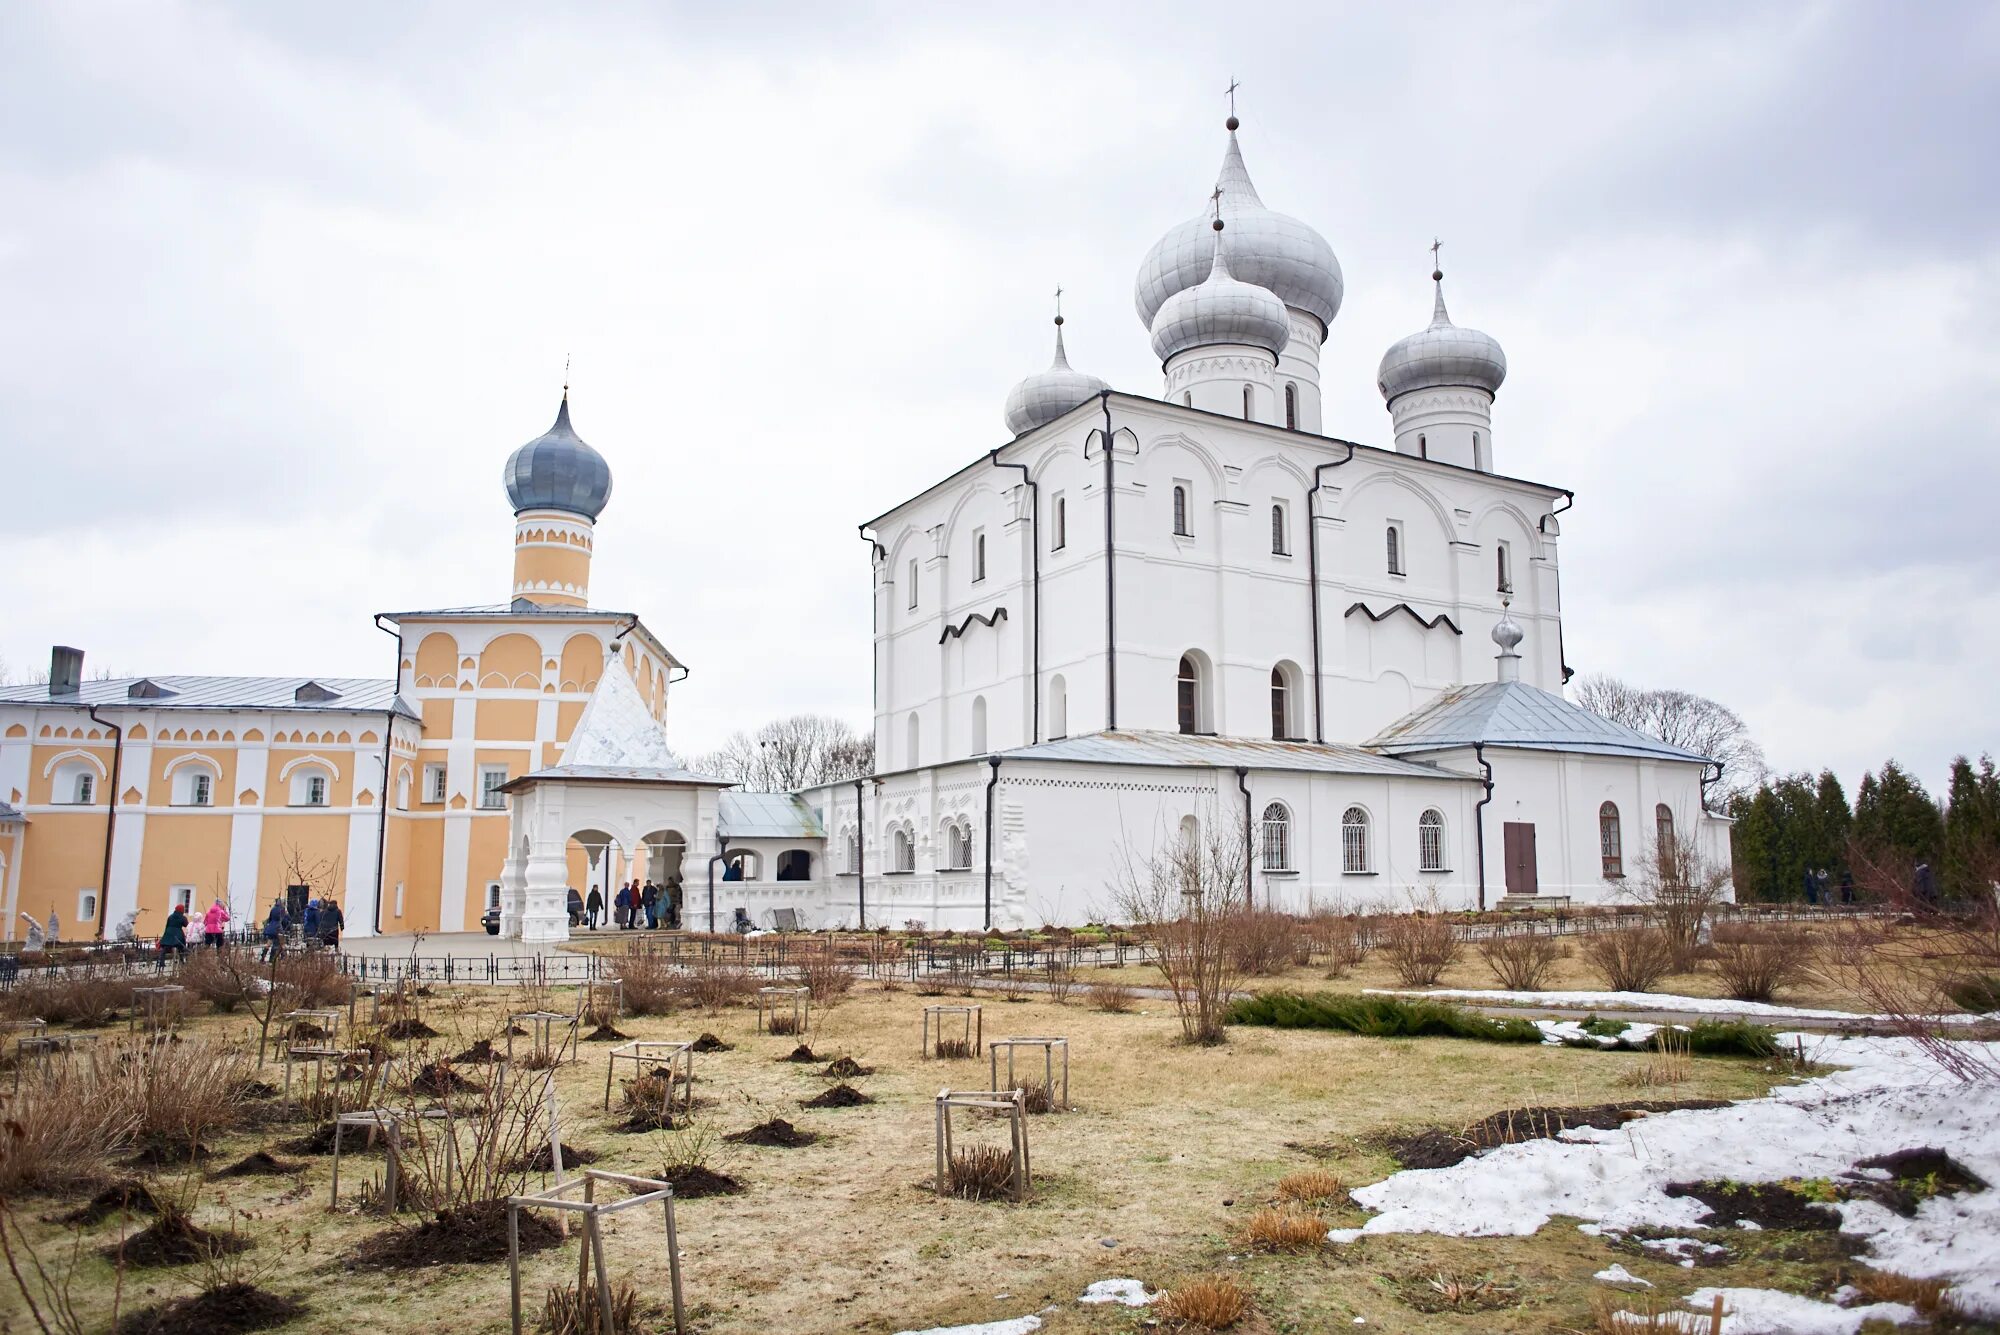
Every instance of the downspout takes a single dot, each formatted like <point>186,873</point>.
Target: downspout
<point>1542,526</point>
<point>1249,850</point>
<point>860,858</point>
<point>992,780</point>
<point>1312,577</point>
<point>1110,580</point>
<point>1706,780</point>
<point>721,852</point>
<point>1035,615</point>
<point>110,814</point>
<point>1479,817</point>
<point>388,735</point>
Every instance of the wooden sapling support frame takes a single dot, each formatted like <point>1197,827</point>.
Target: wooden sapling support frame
<point>155,1007</point>
<point>371,1120</point>
<point>1010,1102</point>
<point>678,1058</point>
<point>43,1048</point>
<point>793,1001</point>
<point>562,1198</point>
<point>600,1000</point>
<point>327,1019</point>
<point>973,1018</point>
<point>1055,1081</point>
<point>319,1057</point>
<point>542,1021</point>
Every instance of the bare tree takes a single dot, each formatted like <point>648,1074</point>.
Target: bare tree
<point>1684,719</point>
<point>1189,897</point>
<point>1681,891</point>
<point>791,753</point>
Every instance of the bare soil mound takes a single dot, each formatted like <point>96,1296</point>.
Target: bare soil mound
<point>1770,1205</point>
<point>408,1027</point>
<point>482,1051</point>
<point>692,1181</point>
<point>840,1096</point>
<point>845,1068</point>
<point>439,1079</point>
<point>1914,1177</point>
<point>173,1239</point>
<point>1436,1147</point>
<point>777,1132</point>
<point>262,1163</point>
<point>475,1234</point>
<point>574,1156</point>
<point>801,1053</point>
<point>128,1197</point>
<point>167,1152</point>
<point>233,1309</point>
<point>710,1043</point>
<point>606,1033</point>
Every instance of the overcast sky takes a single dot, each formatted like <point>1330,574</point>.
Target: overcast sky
<point>284,285</point>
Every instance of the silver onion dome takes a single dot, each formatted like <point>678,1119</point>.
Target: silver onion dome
<point>1442,356</point>
<point>1265,247</point>
<point>557,471</point>
<point>1220,309</point>
<point>1049,394</point>
<point>1506,632</point>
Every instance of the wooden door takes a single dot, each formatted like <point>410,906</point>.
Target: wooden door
<point>1519,847</point>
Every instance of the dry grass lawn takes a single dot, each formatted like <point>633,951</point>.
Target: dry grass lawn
<point>1168,1153</point>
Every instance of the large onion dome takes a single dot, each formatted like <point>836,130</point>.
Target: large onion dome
<point>557,471</point>
<point>1265,247</point>
<point>1047,395</point>
<point>1442,356</point>
<point>1220,309</point>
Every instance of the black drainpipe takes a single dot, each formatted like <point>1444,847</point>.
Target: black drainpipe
<point>1542,525</point>
<point>1707,779</point>
<point>1479,817</point>
<point>1110,581</point>
<point>110,815</point>
<point>992,779</point>
<point>860,857</point>
<point>721,852</point>
<point>1035,615</point>
<point>1249,849</point>
<point>1312,577</point>
<point>382,835</point>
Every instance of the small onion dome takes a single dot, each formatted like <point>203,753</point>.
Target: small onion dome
<point>1506,632</point>
<point>1265,247</point>
<point>557,471</point>
<point>1442,356</point>
<point>1220,309</point>
<point>1047,395</point>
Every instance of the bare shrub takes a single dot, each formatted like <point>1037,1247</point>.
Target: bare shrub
<point>310,981</point>
<point>1212,1302</point>
<point>1188,897</point>
<point>783,1022</point>
<point>1681,890</point>
<point>570,1309</point>
<point>1340,938</point>
<point>981,1173</point>
<point>650,984</point>
<point>180,1092</point>
<point>1285,1228</point>
<point>62,1126</point>
<point>1111,998</point>
<point>226,979</point>
<point>824,974</point>
<point>83,1000</point>
<point>952,1049</point>
<point>1522,961</point>
<point>1887,1286</point>
<point>1061,978</point>
<point>1311,1185</point>
<point>1754,962</point>
<point>714,983</point>
<point>1263,943</point>
<point>1670,1063</point>
<point>1649,1313</point>
<point>1632,959</point>
<point>481,1150</point>
<point>1420,944</point>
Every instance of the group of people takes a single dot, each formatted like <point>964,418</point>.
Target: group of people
<point>322,925</point>
<point>649,906</point>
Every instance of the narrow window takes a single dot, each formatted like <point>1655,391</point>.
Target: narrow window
<point>201,790</point>
<point>913,586</point>
<point>1277,838</point>
<point>399,899</point>
<point>1291,407</point>
<point>493,894</point>
<point>1058,707</point>
<point>433,783</point>
<point>181,896</point>
<point>1610,842</point>
<point>1246,403</point>
<point>316,790</point>
<point>1663,828</point>
<point>978,557</point>
<point>1187,399</point>
<point>854,851</point>
<point>1354,841</point>
<point>910,755</point>
<point>1477,462</point>
<point>1423,447</point>
<point>1181,512</point>
<point>1503,569</point>
<point>86,906</point>
<point>1059,536</point>
<point>978,725</point>
<point>1395,551</point>
<point>1430,841</point>
<point>491,777</point>
<point>1278,545</point>
<point>905,851</point>
<point>1281,699</point>
<point>1188,686</point>
<point>86,789</point>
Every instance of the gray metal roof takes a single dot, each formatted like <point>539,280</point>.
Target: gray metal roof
<point>616,774</point>
<point>523,607</point>
<point>1513,713</point>
<point>10,813</point>
<point>351,695</point>
<point>558,471</point>
<point>1179,749</point>
<point>766,816</point>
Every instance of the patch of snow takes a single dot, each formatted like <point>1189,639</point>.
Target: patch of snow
<point>1618,1274</point>
<point>1681,1249</point>
<point>1572,1032</point>
<point>1653,1001</point>
<point>1749,1226</point>
<point>1883,1096</point>
<point>1019,1325</point>
<point>1768,1312</point>
<point>1125,1292</point>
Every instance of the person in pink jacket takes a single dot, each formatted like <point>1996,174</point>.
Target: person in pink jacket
<point>214,923</point>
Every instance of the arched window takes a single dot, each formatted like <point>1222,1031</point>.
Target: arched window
<point>1187,399</point>
<point>1281,705</point>
<point>1354,841</point>
<point>1503,569</point>
<point>309,786</point>
<point>978,725</point>
<point>1477,462</point>
<point>1190,831</point>
<point>403,790</point>
<point>911,751</point>
<point>1188,695</point>
<point>1279,547</point>
<point>912,571</point>
<point>1058,707</point>
<point>903,850</point>
<point>1246,403</point>
<point>1395,541</point>
<point>1181,512</point>
<point>193,784</point>
<point>1423,447</point>
<point>795,864</point>
<point>84,789</point>
<point>1430,841</point>
<point>978,557</point>
<point>853,851</point>
<point>1610,841</point>
<point>958,846</point>
<point>1291,407</point>
<point>1277,838</point>
<point>1059,530</point>
<point>1663,828</point>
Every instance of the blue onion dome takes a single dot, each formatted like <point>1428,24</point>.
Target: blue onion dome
<point>1442,356</point>
<point>1265,247</point>
<point>1047,395</point>
<point>1220,309</point>
<point>557,471</point>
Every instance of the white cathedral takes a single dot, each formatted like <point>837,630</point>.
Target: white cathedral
<point>1143,613</point>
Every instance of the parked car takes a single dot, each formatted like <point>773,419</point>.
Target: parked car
<point>490,920</point>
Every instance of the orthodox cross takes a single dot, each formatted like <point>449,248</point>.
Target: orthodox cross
<point>1058,301</point>
<point>1436,246</point>
<point>1231,92</point>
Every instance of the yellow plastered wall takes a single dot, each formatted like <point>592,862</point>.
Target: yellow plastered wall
<point>161,786</point>
<point>188,848</point>
<point>504,720</point>
<point>61,853</point>
<point>437,661</point>
<point>41,785</point>
<point>582,664</point>
<point>311,838</point>
<point>510,662</point>
<point>557,567</point>
<point>338,764</point>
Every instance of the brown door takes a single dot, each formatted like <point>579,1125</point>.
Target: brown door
<point>1519,845</point>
